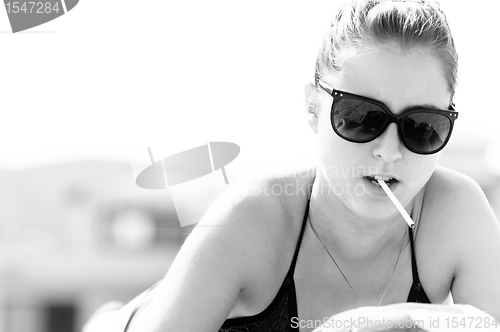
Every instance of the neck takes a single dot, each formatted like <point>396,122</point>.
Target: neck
<point>352,238</point>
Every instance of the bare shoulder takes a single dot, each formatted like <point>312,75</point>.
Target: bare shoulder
<point>258,200</point>
<point>457,199</point>
<point>451,179</point>
<point>253,225</point>
<point>458,232</point>
<point>455,208</point>
<point>233,262</point>
<point>241,223</point>
<point>260,206</point>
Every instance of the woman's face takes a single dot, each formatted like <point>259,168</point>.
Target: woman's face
<point>399,80</point>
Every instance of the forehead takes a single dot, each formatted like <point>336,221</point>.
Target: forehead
<point>395,77</point>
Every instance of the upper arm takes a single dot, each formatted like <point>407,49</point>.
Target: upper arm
<point>215,263</point>
<point>474,234</point>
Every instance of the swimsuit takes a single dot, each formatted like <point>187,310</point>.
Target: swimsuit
<point>277,317</point>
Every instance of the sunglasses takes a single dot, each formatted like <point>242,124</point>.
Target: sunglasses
<point>360,119</point>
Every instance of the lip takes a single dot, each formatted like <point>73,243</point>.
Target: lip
<point>375,189</point>
<point>383,176</point>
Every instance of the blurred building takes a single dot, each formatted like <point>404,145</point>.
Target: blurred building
<point>74,236</point>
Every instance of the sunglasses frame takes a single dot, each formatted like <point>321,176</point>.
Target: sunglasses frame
<point>337,95</point>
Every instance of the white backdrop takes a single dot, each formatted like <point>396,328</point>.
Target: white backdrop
<point>118,73</point>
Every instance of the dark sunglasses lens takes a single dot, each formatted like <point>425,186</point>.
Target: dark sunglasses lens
<point>426,132</point>
<point>357,120</point>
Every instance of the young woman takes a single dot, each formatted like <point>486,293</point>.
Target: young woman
<point>331,240</point>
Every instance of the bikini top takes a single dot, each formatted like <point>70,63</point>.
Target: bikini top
<point>277,317</point>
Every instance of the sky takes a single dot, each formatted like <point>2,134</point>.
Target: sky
<point>111,78</point>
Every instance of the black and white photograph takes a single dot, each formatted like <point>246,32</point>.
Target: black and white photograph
<point>237,166</point>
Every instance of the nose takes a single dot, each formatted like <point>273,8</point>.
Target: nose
<point>388,145</point>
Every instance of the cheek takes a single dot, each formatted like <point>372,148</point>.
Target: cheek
<point>329,143</point>
<point>421,167</point>
<point>336,155</point>
<point>324,124</point>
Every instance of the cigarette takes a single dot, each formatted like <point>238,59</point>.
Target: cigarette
<point>393,198</point>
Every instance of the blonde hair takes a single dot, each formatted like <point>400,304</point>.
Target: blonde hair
<point>406,23</point>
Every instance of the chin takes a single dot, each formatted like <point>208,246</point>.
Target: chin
<point>373,212</point>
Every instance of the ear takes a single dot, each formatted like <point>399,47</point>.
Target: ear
<point>312,106</point>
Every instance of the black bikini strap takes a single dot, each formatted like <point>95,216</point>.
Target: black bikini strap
<point>417,292</point>
<point>304,222</point>
<point>413,259</point>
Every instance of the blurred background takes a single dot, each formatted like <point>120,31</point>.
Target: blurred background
<point>81,95</point>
